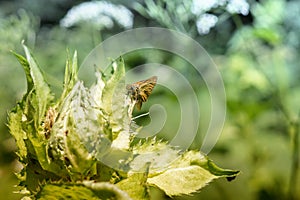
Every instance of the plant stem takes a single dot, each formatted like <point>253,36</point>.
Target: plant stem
<point>294,131</point>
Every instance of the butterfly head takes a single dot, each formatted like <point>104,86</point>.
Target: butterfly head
<point>133,91</point>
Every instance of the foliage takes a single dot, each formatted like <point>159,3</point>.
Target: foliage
<point>261,79</point>
<point>87,135</point>
<point>13,29</point>
<point>257,54</point>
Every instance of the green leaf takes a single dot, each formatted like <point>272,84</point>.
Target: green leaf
<point>268,34</point>
<point>158,153</point>
<point>185,180</point>
<point>189,173</point>
<point>214,169</point>
<point>25,121</point>
<point>269,13</point>
<point>38,95</point>
<point>26,124</point>
<point>114,104</point>
<point>34,174</point>
<point>71,76</point>
<point>112,84</point>
<point>77,135</point>
<point>65,191</point>
<point>17,131</point>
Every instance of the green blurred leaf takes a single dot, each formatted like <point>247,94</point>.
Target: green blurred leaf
<point>269,35</point>
<point>268,14</point>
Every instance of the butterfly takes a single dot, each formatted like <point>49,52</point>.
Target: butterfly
<point>140,91</point>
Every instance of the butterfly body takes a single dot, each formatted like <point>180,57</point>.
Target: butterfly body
<point>140,91</point>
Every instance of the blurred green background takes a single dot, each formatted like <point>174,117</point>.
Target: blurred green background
<point>255,45</point>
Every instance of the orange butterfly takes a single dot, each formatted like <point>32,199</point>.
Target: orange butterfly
<point>141,90</point>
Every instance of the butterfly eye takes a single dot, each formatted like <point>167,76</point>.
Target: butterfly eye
<point>131,90</point>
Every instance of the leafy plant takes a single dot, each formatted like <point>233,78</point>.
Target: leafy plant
<point>83,145</point>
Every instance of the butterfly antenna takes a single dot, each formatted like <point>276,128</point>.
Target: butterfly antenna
<point>141,115</point>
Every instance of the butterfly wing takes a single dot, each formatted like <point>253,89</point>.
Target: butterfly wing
<point>141,90</point>
<point>146,88</point>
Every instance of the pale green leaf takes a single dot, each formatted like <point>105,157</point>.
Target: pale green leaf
<point>185,180</point>
<point>112,84</point>
<point>158,153</point>
<point>25,121</point>
<point>188,174</point>
<point>114,104</point>
<point>37,87</point>
<point>71,77</point>
<point>77,134</point>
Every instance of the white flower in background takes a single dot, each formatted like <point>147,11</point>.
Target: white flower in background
<point>205,22</point>
<point>233,6</point>
<point>99,13</point>
<point>201,6</point>
<point>238,6</point>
